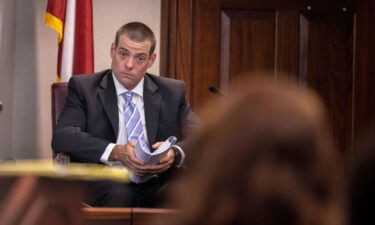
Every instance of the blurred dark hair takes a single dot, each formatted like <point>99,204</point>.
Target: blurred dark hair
<point>264,156</point>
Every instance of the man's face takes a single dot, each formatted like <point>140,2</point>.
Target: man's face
<point>130,60</point>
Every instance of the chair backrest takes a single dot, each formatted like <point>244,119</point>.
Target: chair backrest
<point>59,94</point>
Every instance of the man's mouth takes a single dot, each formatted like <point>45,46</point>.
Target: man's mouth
<point>127,74</point>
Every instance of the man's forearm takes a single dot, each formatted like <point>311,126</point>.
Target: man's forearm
<point>80,144</point>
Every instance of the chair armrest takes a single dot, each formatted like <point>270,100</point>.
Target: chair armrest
<point>61,158</point>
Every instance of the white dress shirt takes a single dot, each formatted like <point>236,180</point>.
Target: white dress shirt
<point>122,137</point>
<point>137,99</point>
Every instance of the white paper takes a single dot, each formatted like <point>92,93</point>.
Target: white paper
<point>144,154</point>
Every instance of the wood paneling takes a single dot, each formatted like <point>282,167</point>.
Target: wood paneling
<point>326,44</point>
<point>298,5</point>
<point>287,39</point>
<point>247,43</point>
<point>206,49</point>
<point>329,54</point>
<point>364,113</point>
<point>177,41</point>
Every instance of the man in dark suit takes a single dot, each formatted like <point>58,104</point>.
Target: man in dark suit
<point>93,127</point>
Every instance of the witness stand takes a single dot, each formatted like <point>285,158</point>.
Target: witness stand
<point>43,193</point>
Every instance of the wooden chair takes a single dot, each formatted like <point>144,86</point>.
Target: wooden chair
<point>59,93</point>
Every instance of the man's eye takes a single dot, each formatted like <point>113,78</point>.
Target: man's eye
<point>122,54</point>
<point>141,59</point>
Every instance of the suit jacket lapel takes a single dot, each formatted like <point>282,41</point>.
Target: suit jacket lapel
<point>152,101</point>
<point>107,95</point>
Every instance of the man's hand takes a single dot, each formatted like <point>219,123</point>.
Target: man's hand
<point>164,163</point>
<point>126,155</point>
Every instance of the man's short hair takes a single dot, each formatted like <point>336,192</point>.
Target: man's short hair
<point>137,32</point>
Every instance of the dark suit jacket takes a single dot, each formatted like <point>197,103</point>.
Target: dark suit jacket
<point>89,121</point>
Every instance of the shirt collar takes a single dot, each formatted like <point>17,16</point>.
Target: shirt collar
<point>120,89</point>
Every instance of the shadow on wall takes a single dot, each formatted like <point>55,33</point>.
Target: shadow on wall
<point>20,100</point>
<point>7,43</point>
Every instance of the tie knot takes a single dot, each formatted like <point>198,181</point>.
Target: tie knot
<point>128,96</point>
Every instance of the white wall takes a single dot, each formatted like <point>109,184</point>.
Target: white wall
<point>7,43</point>
<point>28,57</point>
<point>105,25</point>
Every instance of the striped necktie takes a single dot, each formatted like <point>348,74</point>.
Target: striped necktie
<point>134,127</point>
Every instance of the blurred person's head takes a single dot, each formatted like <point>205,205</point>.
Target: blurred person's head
<point>263,156</point>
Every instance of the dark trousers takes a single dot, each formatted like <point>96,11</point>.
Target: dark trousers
<point>151,194</point>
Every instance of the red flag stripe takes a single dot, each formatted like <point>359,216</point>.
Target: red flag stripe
<point>83,43</point>
<point>83,53</point>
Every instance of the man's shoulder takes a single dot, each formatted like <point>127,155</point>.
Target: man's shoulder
<point>91,77</point>
<point>158,80</point>
<point>165,86</point>
<point>92,80</point>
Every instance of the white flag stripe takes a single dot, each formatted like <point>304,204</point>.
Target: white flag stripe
<point>68,45</point>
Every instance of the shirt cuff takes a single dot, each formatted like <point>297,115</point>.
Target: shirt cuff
<point>107,152</point>
<point>182,155</point>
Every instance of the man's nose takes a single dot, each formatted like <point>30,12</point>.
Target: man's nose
<point>129,63</point>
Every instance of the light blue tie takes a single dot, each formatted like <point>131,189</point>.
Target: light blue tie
<point>133,122</point>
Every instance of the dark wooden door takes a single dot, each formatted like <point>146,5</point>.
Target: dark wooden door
<point>211,42</point>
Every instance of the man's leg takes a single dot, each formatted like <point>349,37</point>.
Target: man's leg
<point>152,194</point>
<point>109,194</point>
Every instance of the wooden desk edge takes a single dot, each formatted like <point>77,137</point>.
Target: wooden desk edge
<point>153,211</point>
<point>101,213</point>
<point>97,213</point>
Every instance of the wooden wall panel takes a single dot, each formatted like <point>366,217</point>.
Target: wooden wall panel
<point>247,43</point>
<point>364,115</point>
<point>206,50</point>
<point>287,39</point>
<point>330,67</point>
<point>177,42</point>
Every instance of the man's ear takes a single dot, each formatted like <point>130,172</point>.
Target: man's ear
<point>112,50</point>
<point>151,60</point>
